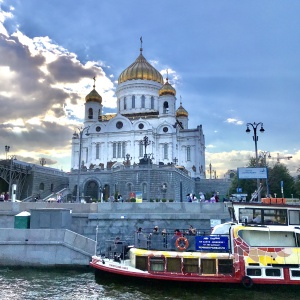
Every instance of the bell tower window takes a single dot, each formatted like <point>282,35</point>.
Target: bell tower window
<point>125,104</point>
<point>133,101</point>
<point>166,107</point>
<point>90,116</point>
<point>152,102</point>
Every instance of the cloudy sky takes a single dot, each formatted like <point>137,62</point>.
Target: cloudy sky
<point>232,62</point>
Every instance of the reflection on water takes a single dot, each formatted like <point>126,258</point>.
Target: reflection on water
<point>29,283</point>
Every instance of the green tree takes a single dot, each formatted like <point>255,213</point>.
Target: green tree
<point>277,174</point>
<point>297,187</point>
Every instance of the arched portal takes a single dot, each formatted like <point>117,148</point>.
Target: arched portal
<point>91,191</point>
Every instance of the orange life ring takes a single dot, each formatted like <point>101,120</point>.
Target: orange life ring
<point>182,243</point>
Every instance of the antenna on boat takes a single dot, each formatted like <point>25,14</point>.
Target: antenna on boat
<point>96,240</point>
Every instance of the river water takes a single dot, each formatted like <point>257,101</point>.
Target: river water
<point>30,283</point>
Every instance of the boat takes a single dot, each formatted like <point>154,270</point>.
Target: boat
<point>260,245</point>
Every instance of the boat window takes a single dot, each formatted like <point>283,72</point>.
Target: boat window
<point>191,265</point>
<point>157,264</point>
<point>268,238</point>
<point>294,217</point>
<point>225,266</point>
<point>254,272</point>
<point>174,265</point>
<point>263,216</point>
<point>295,273</point>
<point>247,215</point>
<point>273,272</point>
<point>208,266</point>
<point>141,263</point>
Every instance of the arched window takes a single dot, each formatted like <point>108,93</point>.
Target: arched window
<point>166,151</point>
<point>141,149</point>
<point>119,150</point>
<point>188,153</point>
<point>125,104</point>
<point>123,149</point>
<point>114,150</point>
<point>90,113</point>
<point>152,102</point>
<point>97,151</point>
<point>133,101</point>
<point>166,107</point>
<point>51,187</point>
<point>143,101</point>
<point>99,115</point>
<point>42,186</point>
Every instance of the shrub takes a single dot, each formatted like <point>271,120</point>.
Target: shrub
<point>163,200</point>
<point>132,200</point>
<point>151,200</point>
<point>171,200</point>
<point>157,200</point>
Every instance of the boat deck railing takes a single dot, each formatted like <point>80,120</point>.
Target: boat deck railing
<point>164,241</point>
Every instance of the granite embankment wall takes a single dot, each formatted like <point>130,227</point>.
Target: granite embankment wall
<point>44,247</point>
<point>122,219</point>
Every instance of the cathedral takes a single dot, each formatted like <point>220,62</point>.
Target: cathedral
<point>148,130</point>
<point>146,125</point>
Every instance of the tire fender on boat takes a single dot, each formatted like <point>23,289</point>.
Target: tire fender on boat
<point>247,282</point>
<point>182,243</point>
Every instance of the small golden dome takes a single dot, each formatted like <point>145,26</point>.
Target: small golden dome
<point>93,96</point>
<point>181,112</point>
<point>140,69</point>
<point>167,89</point>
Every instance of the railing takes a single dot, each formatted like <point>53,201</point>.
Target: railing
<point>117,249</point>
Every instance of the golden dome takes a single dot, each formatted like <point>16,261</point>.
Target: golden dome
<point>181,112</point>
<point>140,69</point>
<point>93,96</point>
<point>167,89</point>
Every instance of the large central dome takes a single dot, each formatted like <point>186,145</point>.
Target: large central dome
<point>140,69</point>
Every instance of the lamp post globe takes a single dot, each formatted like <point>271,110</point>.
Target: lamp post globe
<point>80,131</point>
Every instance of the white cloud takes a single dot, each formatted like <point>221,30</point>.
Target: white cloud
<point>234,121</point>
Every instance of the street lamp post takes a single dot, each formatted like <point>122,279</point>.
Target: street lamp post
<point>12,157</point>
<point>81,131</point>
<point>6,150</point>
<point>210,170</point>
<point>43,161</point>
<point>255,139</point>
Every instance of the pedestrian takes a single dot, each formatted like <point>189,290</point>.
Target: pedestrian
<point>191,231</point>
<point>58,198</point>
<point>202,198</point>
<point>217,197</point>
<point>195,200</point>
<point>6,196</point>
